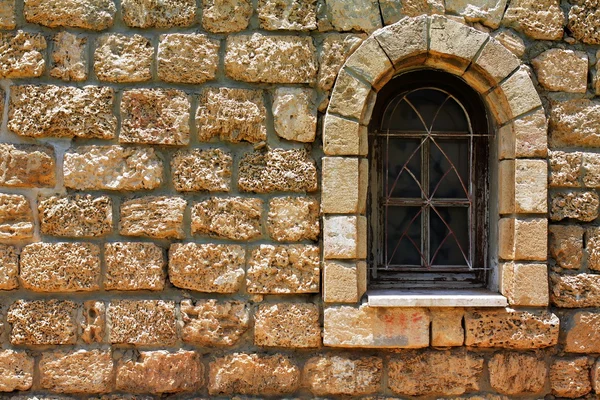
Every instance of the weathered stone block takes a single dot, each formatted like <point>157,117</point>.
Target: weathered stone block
<point>22,55</point>
<point>524,186</point>
<point>293,219</point>
<point>516,373</point>
<point>349,97</point>
<point>583,333</point>
<point>525,284</point>
<point>222,16</point>
<point>187,58</point>
<point>213,323</point>
<point>166,14</point>
<point>295,114</point>
<point>590,169</point>
<point>393,11</point>
<point>575,123</point>
<point>561,70</point>
<point>570,377</point>
<point>87,14</point>
<point>513,42</point>
<point>75,215</point>
<point>94,324</point>
<point>197,170</point>
<point>592,246</point>
<point>566,246</point>
<point>16,371</point>
<point>360,15</point>
<point>340,187</point>
<point>16,218</point>
<point>527,136</point>
<point>7,14</point>
<point>582,206</point>
<point>121,58</point>
<point>405,39</point>
<point>565,168</point>
<point>488,12</point>
<point>27,165</point>
<point>80,371</point>
<point>496,60</point>
<point>134,266</point>
<point>447,327</point>
<point>371,62</point>
<point>157,217</point>
<point>332,375</point>
<point>344,237</point>
<point>575,291</point>
<point>142,322</point>
<point>236,218</point>
<point>543,20</point>
<point>42,322</point>
<point>520,93</point>
<point>584,20</point>
<point>9,268</point>
<point>342,281</point>
<point>343,136</point>
<point>334,52</point>
<point>69,57</point>
<point>523,239</point>
<point>292,15</point>
<point>287,325</point>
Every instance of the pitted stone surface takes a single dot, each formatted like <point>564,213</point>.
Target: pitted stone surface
<point>158,217</point>
<point>566,246</point>
<point>516,373</point>
<point>23,165</point>
<point>153,14</point>
<point>75,215</point>
<point>122,58</point>
<point>575,291</point>
<point>9,268</point>
<point>565,168</point>
<point>94,324</point>
<point>187,58</point>
<point>236,218</point>
<point>582,206</point>
<point>287,325</point>
<point>570,377</point>
<point>87,14</point>
<point>134,266</point>
<point>293,219</point>
<point>393,11</point>
<point>337,47</point>
<point>584,20</point>
<point>295,114</point>
<point>360,15</point>
<point>575,123</point>
<point>70,57</point>
<point>542,20</point>
<point>21,55</point>
<point>16,370</point>
<point>197,170</point>
<point>16,217</point>
<point>214,323</point>
<point>592,245</point>
<point>562,70</point>
<point>80,371</point>
<point>292,15</point>
<point>339,375</point>
<point>7,14</point>
<point>223,16</point>
<point>42,322</point>
<point>142,322</point>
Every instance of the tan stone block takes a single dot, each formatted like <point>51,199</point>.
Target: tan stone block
<point>566,246</point>
<point>496,60</point>
<point>167,14</point>
<point>595,375</point>
<point>75,215</point>
<point>405,39</point>
<point>361,15</point>
<point>394,10</point>
<point>222,16</point>
<point>575,291</point>
<point>293,219</point>
<point>340,186</point>
<point>16,217</point>
<point>80,371</point>
<point>7,14</point>
<point>525,284</point>
<point>9,267</point>
<point>16,371</point>
<point>287,325</point>
<point>342,136</point>
<point>42,322</point>
<point>520,93</point>
<point>212,323</point>
<point>575,123</point>
<point>565,168</point>
<point>523,239</point>
<point>516,373</point>
<point>201,169</point>
<point>94,325</point>
<point>22,55</point>
<point>122,58</point>
<point>187,58</point>
<point>295,114</point>
<point>573,244</point>
<point>582,206</point>
<point>27,165</point>
<point>488,12</point>
<point>447,327</point>
<point>371,62</point>
<point>538,19</point>
<point>344,237</point>
<point>93,15</point>
<point>349,96</point>
<point>157,217</point>
<point>332,375</point>
<point>341,282</point>
<point>506,186</point>
<point>531,181</point>
<point>590,169</point>
<point>582,333</point>
<point>337,47</point>
<point>561,70</point>
<point>236,218</point>
<point>570,377</point>
<point>70,57</point>
<point>142,322</point>
<point>290,15</point>
<point>134,266</point>
<point>583,17</point>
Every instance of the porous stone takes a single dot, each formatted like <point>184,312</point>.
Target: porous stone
<point>291,15</point>
<point>565,168</point>
<point>543,20</point>
<point>575,291</point>
<point>214,323</point>
<point>566,246</point>
<point>435,372</point>
<point>164,14</point>
<point>570,377</point>
<point>271,59</point>
<point>122,58</point>
<point>22,55</point>
<point>80,371</point>
<point>23,165</point>
<point>393,11</point>
<point>158,217</point>
<point>75,215</point>
<point>583,333</point>
<point>87,14</point>
<point>236,218</point>
<point>134,266</point>
<point>590,169</point>
<point>511,329</point>
<point>60,267</point>
<point>202,169</point>
<point>360,15</point>
<point>513,42</point>
<point>187,58</point>
<point>447,327</point>
<point>336,48</point>
<point>344,282</point>
<point>488,12</point>
<point>575,123</point>
<point>142,322</point>
<point>16,218</point>
<point>516,373</point>
<point>94,321</point>
<point>42,322</point>
<point>582,206</point>
<point>7,14</point>
<point>253,374</point>
<point>287,325</point>
<point>584,20</point>
<point>69,57</point>
<point>112,168</point>
<point>160,372</point>
<point>295,114</point>
<point>223,16</point>
<point>155,116</point>
<point>277,170</point>
<point>283,269</point>
<point>231,114</point>
<point>293,219</point>
<point>561,70</point>
<point>592,246</point>
<point>209,268</point>
<point>9,268</point>
<point>16,371</point>
<point>336,375</point>
<point>62,111</point>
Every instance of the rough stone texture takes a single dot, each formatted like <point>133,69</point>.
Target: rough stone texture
<point>75,215</point>
<point>516,373</point>
<point>62,111</point>
<point>252,374</point>
<point>590,169</point>
<point>94,324</point>
<point>24,165</point>
<point>209,268</point>
<point>16,218</point>
<point>592,246</point>
<point>351,97</point>
<point>187,58</point>
<point>283,269</point>
<point>287,325</point>
<point>87,14</point>
<point>278,170</point>
<point>527,136</point>
<point>488,12</point>
<point>575,123</point>
<point>197,170</point>
<point>435,372</point>
<point>16,371</point>
<point>236,218</point>
<point>121,58</point>
<point>69,57</point>
<point>295,114</point>
<point>447,327</point>
<point>22,55</point>
<point>338,375</point>
<point>337,47</point>
<point>344,282</point>
<point>214,323</point>
<point>511,329</point>
<point>160,372</point>
<point>164,14</point>
<point>81,371</point>
<point>293,219</point>
<point>271,59</point>
<point>565,168</point>
<point>575,291</point>
<point>231,114</point>
<point>60,267</point>
<point>42,322</point>
<point>9,268</point>
<point>155,116</point>
<point>584,20</point>
<point>570,377</point>
<point>583,333</point>
<point>525,284</point>
<point>344,237</point>
<point>112,168</point>
<point>566,247</point>
<point>7,14</point>
<point>134,266</point>
<point>222,16</point>
<point>582,206</point>
<point>293,15</point>
<point>542,20</point>
<point>394,10</point>
<point>562,70</point>
<point>360,15</point>
<point>142,322</point>
<point>157,217</point>
<point>512,42</point>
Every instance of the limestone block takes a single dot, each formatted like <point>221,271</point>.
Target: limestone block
<point>344,237</point>
<point>575,123</point>
<point>343,136</point>
<point>295,114</point>
<point>202,169</point>
<point>583,333</point>
<point>62,111</point>
<point>530,186</point>
<point>543,20</point>
<point>333,375</point>
<point>371,62</point>
<point>590,169</point>
<point>9,268</point>
<point>42,322</point>
<point>336,48</point>
<point>75,215</point>
<point>495,60</point>
<point>69,57</point>
<point>293,219</point>
<point>80,371</point>
<point>165,14</point>
<point>112,168</point>
<point>340,187</point>
<point>447,327</point>
<point>287,325</point>
<point>134,266</point>
<point>253,374</point>
<point>376,327</point>
<point>566,246</point>
<point>341,282</point>
<point>157,217</point>
<point>155,116</point>
<point>592,246</point>
<point>291,15</point>
<point>584,20</point>
<point>231,114</point>
<point>121,58</point>
<point>237,218</point>
<point>160,372</point>
<point>561,70</point>
<point>488,12</point>
<point>523,239</point>
<point>213,323</point>
<point>7,14</point>
<point>142,322</point>
<point>596,376</point>
<point>570,377</point>
<point>525,284</point>
<point>16,217</point>
<point>94,324</point>
<point>187,58</point>
<point>435,372</point>
<point>511,329</point>
<point>527,136</point>
<point>283,269</point>
<point>349,97</point>
<point>360,15</point>
<point>512,42</point>
<point>575,291</point>
<point>209,268</point>
<point>582,206</point>
<point>393,11</point>
<point>87,14</point>
<point>520,93</point>
<point>16,371</point>
<point>222,16</point>
<point>404,39</point>
<point>25,165</point>
<point>565,168</point>
<point>271,59</point>
<point>22,55</point>
<point>516,373</point>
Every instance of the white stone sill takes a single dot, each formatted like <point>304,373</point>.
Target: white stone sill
<point>435,298</point>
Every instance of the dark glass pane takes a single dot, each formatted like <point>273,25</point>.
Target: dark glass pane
<point>451,118</point>
<point>456,221</point>
<point>428,103</point>
<point>403,224</point>
<point>399,182</point>
<point>400,116</point>
<point>445,153</point>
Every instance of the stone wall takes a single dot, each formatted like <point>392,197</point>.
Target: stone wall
<point>162,185</point>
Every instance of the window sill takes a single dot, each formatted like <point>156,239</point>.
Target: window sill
<point>435,298</point>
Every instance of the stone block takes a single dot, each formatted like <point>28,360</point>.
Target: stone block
<point>521,95</point>
<point>77,372</point>
<point>94,325</point>
<point>287,325</point>
<point>592,246</point>
<point>9,268</point>
<point>527,136</point>
<point>575,291</point>
<point>525,284</point>
<point>570,377</point>
<point>237,218</point>
<point>7,14</point>
<point>70,57</point>
<point>542,20</point>
<point>26,165</point>
<point>561,70</point>
<point>22,55</point>
<point>214,323</point>
<point>166,14</point>
<point>293,219</point>
<point>291,15</point>
<point>75,215</point>
<point>349,97</point>
<point>582,206</point>
<point>590,170</point>
<point>360,15</point>
<point>223,16</point>
<point>213,268</point>
<point>583,20</point>
<point>187,58</point>
<point>404,39</point>
<point>523,186</point>
<point>295,114</point>
<point>94,15</point>
<point>565,168</point>
<point>447,327</point>
<point>158,217</point>
<point>16,217</point>
<point>336,48</point>
<point>344,237</point>
<point>202,169</point>
<point>340,187</point>
<point>496,61</point>
<point>343,136</point>
<point>122,58</point>
<point>134,266</point>
<point>595,376</point>
<point>513,42</point>
<point>575,123</point>
<point>523,239</point>
<point>16,371</point>
<point>342,281</point>
<point>582,333</point>
<point>393,11</point>
<point>371,63</point>
<point>488,12</point>
<point>566,246</point>
<point>516,373</point>
<point>42,322</point>
<point>142,322</point>
<point>333,375</point>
